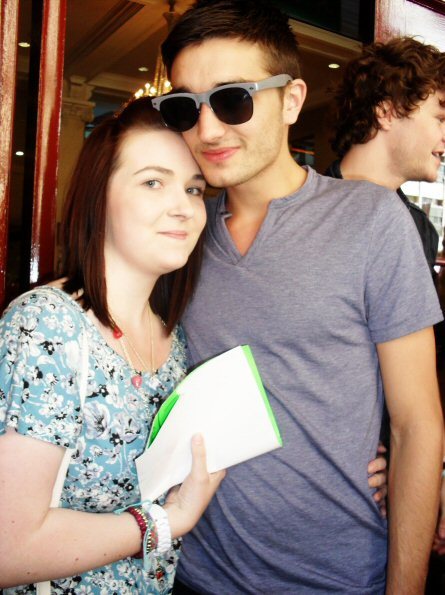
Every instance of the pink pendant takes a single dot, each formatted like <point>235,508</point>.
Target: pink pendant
<point>136,381</point>
<point>117,333</point>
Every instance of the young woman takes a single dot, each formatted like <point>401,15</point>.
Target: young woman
<point>133,218</point>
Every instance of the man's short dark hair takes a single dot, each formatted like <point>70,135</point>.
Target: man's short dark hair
<point>248,20</point>
<point>402,71</point>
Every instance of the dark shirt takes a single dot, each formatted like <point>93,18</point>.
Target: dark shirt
<point>427,231</point>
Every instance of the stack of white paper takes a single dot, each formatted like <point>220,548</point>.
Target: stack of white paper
<point>224,400</point>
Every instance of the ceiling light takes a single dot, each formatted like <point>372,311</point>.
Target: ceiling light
<point>24,44</point>
<point>19,153</point>
<point>160,83</point>
<point>334,65</point>
<point>143,69</point>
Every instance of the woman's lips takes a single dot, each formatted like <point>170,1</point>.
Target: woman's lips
<point>175,235</point>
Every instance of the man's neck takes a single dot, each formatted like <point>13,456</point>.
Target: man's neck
<point>370,162</point>
<point>255,195</point>
<point>248,203</point>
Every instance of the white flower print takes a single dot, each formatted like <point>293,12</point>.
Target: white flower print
<point>97,418</point>
<point>51,322</point>
<point>73,354</point>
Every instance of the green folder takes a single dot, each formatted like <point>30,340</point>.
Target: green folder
<point>169,403</point>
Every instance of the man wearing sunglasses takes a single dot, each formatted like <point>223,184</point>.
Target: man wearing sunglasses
<point>334,297</point>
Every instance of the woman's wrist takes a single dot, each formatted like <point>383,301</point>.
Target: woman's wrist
<point>154,528</point>
<point>142,521</point>
<point>161,521</point>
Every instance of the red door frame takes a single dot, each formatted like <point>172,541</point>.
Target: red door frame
<point>9,14</point>
<point>41,264</point>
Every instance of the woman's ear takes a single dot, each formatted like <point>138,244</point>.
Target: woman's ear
<point>294,96</point>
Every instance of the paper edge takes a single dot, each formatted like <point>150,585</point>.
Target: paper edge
<point>251,361</point>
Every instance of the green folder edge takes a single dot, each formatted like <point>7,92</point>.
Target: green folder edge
<point>169,403</point>
<point>252,363</point>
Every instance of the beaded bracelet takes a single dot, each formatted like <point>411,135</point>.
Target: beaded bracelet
<point>143,522</point>
<point>153,523</point>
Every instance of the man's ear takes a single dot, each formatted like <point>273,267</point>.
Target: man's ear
<point>294,96</point>
<point>385,115</point>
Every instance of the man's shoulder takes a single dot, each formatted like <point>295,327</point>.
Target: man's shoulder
<point>334,174</point>
<point>352,190</point>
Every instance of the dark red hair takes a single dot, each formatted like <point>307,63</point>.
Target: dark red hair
<point>83,225</point>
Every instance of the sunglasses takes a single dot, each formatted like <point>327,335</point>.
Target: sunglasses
<point>232,104</point>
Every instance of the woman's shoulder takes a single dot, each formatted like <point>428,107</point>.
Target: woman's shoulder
<point>179,334</point>
<point>40,358</point>
<point>45,303</point>
<point>41,314</point>
<point>44,294</point>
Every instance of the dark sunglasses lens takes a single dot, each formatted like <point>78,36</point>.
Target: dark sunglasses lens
<point>232,106</point>
<point>179,113</point>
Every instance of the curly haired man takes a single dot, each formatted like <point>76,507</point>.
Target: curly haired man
<point>390,121</point>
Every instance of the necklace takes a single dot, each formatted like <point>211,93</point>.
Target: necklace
<point>136,380</point>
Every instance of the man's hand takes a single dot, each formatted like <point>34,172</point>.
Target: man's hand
<point>378,478</point>
<point>439,537</point>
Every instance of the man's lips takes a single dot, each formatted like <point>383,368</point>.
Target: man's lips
<point>217,155</point>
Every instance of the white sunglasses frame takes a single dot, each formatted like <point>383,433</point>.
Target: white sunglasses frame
<point>272,82</point>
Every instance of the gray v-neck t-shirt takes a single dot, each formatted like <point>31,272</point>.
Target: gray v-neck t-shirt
<point>335,268</point>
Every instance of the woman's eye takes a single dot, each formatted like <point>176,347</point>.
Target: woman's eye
<point>152,183</point>
<point>196,191</point>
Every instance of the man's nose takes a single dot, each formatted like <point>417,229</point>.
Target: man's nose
<point>210,128</point>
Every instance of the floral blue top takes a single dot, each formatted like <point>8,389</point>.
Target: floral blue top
<point>39,397</point>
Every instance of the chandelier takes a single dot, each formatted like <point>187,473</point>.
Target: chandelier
<point>160,83</point>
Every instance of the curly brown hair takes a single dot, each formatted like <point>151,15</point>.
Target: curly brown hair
<point>403,71</point>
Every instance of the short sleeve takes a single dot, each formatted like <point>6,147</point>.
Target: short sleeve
<point>400,296</point>
<point>40,355</point>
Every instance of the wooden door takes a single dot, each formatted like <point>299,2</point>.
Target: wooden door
<point>9,11</point>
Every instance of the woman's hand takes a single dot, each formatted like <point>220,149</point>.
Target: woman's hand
<point>186,503</point>
<point>378,478</point>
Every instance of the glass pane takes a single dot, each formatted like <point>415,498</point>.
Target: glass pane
<point>352,18</point>
<point>430,197</point>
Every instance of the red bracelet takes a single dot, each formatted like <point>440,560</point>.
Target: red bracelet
<point>142,521</point>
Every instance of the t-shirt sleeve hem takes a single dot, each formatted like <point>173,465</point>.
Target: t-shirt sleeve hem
<point>404,328</point>
<point>43,437</point>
